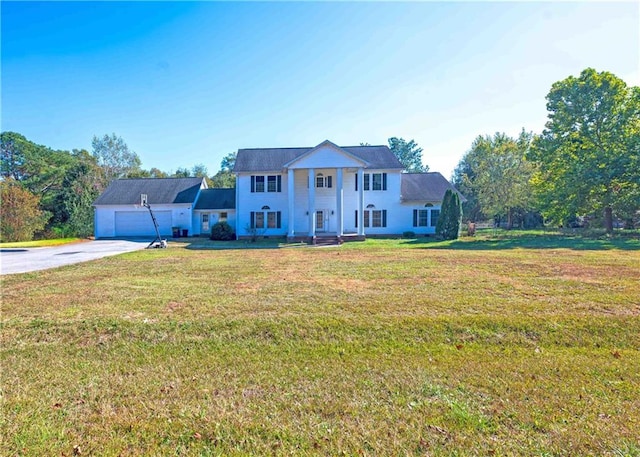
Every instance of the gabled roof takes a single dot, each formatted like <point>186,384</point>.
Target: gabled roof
<point>158,190</point>
<point>275,159</point>
<point>324,144</point>
<point>429,187</point>
<point>216,199</point>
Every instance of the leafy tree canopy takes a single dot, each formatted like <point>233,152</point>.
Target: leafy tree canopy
<point>588,154</point>
<point>408,153</point>
<point>494,176</point>
<point>114,157</point>
<point>21,215</point>
<point>224,178</point>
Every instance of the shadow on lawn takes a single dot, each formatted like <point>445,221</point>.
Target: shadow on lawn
<point>558,241</point>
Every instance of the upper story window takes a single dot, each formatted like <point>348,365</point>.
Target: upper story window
<point>324,181</point>
<point>373,181</point>
<point>269,183</point>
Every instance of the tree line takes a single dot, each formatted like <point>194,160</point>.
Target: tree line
<point>585,163</point>
<point>49,193</point>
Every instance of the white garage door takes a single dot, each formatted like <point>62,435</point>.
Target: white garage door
<point>139,223</point>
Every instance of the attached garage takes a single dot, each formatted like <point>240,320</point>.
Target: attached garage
<point>139,223</point>
<point>118,211</point>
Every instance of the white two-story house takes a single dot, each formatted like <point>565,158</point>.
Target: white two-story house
<point>328,190</point>
<point>300,193</point>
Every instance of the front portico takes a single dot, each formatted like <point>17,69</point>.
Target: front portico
<point>316,192</point>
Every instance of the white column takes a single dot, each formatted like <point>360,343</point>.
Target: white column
<point>312,202</point>
<point>291,197</point>
<point>238,226</point>
<point>339,201</point>
<point>360,201</point>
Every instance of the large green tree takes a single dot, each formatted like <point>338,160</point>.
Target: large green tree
<point>224,178</point>
<point>81,185</point>
<point>588,154</point>
<point>38,168</point>
<point>21,214</point>
<point>494,176</point>
<point>114,157</point>
<point>408,153</point>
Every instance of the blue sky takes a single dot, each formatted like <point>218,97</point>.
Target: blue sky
<point>187,83</point>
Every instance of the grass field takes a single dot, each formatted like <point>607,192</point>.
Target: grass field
<point>501,345</point>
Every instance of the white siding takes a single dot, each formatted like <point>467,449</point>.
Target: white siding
<point>399,215</point>
<point>248,201</point>
<point>139,223</point>
<point>327,155</point>
<point>214,216</point>
<point>106,226</point>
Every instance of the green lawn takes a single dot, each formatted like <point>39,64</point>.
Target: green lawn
<point>500,345</point>
<point>41,243</point>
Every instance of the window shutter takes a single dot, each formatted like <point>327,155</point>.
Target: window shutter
<point>366,181</point>
<point>329,181</point>
<point>253,184</point>
<point>415,217</point>
<point>384,181</point>
<point>356,190</point>
<point>279,179</point>
<point>278,219</point>
<point>356,210</point>
<point>252,222</point>
<point>384,217</point>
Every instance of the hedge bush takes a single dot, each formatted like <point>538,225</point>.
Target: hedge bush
<point>221,231</point>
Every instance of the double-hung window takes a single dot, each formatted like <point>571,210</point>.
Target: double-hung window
<point>258,220</point>
<point>373,218</point>
<point>273,183</point>
<point>324,181</point>
<point>420,217</point>
<point>265,219</point>
<point>435,214</point>
<point>373,181</point>
<point>259,184</point>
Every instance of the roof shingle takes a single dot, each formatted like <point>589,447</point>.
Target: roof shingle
<point>274,159</point>
<point>217,199</point>
<point>158,190</point>
<point>429,187</point>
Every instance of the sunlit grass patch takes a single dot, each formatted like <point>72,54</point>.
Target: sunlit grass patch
<point>41,243</point>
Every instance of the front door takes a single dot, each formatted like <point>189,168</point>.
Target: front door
<point>320,221</point>
<point>205,223</point>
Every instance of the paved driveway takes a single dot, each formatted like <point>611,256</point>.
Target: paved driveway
<point>33,259</point>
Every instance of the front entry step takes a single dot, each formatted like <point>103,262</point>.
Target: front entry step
<point>325,241</point>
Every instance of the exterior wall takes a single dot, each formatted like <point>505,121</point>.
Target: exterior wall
<point>381,200</point>
<point>247,201</point>
<point>399,214</point>
<point>405,213</point>
<point>105,217</point>
<point>214,216</point>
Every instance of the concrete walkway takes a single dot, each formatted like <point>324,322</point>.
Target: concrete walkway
<point>23,260</point>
